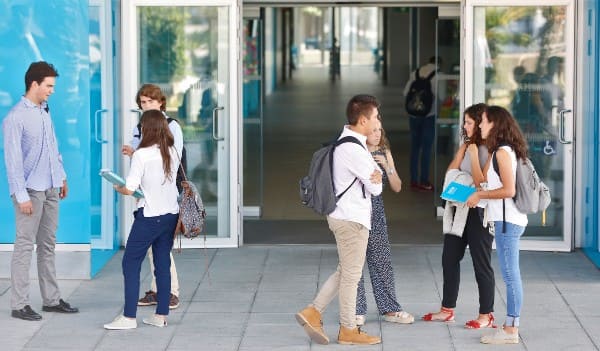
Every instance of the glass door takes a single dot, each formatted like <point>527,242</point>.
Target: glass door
<point>101,124</point>
<point>520,55</point>
<point>447,91</point>
<point>190,49</point>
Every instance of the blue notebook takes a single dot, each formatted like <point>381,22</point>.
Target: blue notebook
<point>457,192</point>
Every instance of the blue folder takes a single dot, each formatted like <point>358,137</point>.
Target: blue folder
<point>457,192</point>
<point>118,180</point>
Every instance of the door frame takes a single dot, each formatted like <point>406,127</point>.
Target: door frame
<point>128,120</point>
<point>107,133</point>
<point>566,244</point>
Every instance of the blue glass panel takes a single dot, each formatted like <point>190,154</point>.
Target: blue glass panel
<point>57,32</point>
<point>95,105</point>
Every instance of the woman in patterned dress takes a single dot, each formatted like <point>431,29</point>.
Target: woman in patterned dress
<point>378,248</point>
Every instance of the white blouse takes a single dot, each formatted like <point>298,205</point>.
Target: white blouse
<point>494,206</point>
<point>160,194</point>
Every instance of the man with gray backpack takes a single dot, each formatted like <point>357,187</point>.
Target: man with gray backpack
<point>354,173</point>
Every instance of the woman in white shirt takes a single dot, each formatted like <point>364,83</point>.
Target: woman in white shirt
<point>505,139</point>
<point>153,169</point>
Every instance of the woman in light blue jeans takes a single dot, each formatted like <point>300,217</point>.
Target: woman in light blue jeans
<point>504,139</point>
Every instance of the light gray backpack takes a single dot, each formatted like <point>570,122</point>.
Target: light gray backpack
<point>532,195</point>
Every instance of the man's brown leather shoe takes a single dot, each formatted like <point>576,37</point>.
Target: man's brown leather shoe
<point>310,319</point>
<point>356,337</point>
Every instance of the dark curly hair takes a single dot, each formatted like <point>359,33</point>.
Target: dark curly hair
<point>475,112</point>
<point>506,131</point>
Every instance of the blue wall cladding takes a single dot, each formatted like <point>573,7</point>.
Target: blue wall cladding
<point>57,32</point>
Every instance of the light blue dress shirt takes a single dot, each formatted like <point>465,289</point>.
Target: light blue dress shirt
<point>31,150</point>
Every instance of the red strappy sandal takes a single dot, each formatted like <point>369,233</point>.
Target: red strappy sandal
<point>475,324</point>
<point>449,319</point>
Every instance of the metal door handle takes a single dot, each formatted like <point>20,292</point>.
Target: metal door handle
<point>214,123</point>
<point>561,126</point>
<point>97,131</point>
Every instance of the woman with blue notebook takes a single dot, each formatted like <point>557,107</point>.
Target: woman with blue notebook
<point>470,159</point>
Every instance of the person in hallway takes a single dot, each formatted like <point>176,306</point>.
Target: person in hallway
<point>504,138</point>
<point>379,255</point>
<point>422,129</point>
<point>469,161</point>
<point>350,223</point>
<point>150,97</point>
<point>36,180</point>
<point>153,169</point>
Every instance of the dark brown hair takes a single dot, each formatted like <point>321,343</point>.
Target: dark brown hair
<point>360,105</point>
<point>505,131</point>
<point>475,112</point>
<point>37,72</point>
<point>153,92</point>
<point>155,131</point>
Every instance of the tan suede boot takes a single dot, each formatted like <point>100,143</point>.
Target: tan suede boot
<point>310,319</point>
<point>356,337</point>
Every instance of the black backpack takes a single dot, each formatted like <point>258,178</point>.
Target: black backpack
<point>419,99</point>
<point>317,190</point>
<point>180,175</point>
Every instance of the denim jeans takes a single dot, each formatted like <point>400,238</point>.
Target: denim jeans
<point>155,232</point>
<point>507,248</point>
<point>422,131</point>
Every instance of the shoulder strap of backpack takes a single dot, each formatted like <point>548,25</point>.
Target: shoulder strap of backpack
<point>431,75</point>
<point>139,131</point>
<point>348,139</point>
<point>497,169</point>
<point>417,75</point>
<point>171,119</point>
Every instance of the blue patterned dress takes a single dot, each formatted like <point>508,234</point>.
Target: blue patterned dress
<point>379,260</point>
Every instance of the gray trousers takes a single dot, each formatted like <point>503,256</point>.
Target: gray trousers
<point>38,228</point>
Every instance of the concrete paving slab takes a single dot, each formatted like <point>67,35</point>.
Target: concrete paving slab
<point>248,303</point>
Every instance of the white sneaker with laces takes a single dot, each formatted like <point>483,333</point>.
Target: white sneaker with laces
<point>360,320</point>
<point>121,323</point>
<point>155,321</point>
<point>499,337</point>
<point>401,317</point>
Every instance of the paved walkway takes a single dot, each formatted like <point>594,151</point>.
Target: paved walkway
<point>249,299</point>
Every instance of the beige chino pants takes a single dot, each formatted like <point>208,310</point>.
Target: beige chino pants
<point>351,240</point>
<point>174,279</point>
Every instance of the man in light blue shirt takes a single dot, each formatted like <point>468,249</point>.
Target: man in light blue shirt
<point>36,180</point>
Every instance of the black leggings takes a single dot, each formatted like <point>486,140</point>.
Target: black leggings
<point>480,246</point>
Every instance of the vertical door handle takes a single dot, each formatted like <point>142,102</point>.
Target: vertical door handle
<point>561,126</point>
<point>97,130</point>
<point>215,133</point>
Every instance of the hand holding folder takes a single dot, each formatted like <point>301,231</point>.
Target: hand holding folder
<point>118,180</point>
<point>457,192</point>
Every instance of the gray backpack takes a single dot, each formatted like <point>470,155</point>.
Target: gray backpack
<point>317,190</point>
<point>531,195</point>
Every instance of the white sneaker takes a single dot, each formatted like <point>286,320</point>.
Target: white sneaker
<point>401,317</point>
<point>361,320</point>
<point>155,321</point>
<point>500,337</point>
<point>121,323</point>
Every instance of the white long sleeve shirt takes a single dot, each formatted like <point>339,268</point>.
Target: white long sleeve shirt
<point>160,194</point>
<point>353,161</point>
